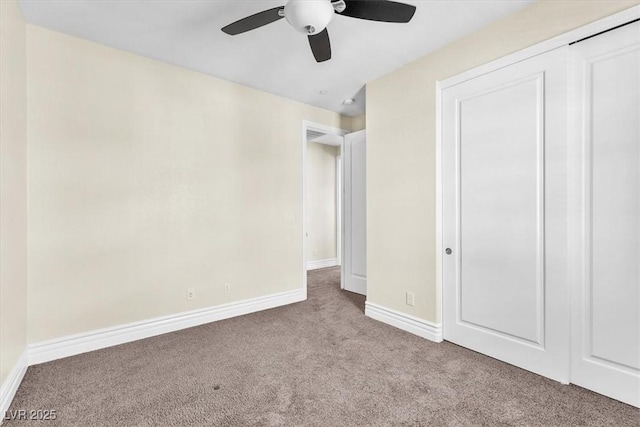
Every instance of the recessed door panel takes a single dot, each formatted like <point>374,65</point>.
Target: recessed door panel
<point>501,210</point>
<point>615,83</point>
<point>358,208</point>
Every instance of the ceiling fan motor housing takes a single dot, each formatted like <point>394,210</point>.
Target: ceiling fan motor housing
<point>308,16</point>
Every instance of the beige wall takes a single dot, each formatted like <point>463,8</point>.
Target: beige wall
<point>358,122</point>
<point>401,137</point>
<point>321,201</point>
<point>13,187</point>
<point>146,179</point>
<point>353,123</point>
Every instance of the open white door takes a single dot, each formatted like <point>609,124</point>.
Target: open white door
<point>354,268</point>
<point>504,191</point>
<point>605,214</point>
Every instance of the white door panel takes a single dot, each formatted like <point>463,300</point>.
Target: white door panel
<point>504,185</point>
<point>605,215</point>
<point>354,273</point>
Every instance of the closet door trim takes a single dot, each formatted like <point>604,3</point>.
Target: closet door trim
<point>589,30</point>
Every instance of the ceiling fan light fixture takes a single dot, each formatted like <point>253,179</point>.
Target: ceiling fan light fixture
<point>308,16</point>
<point>311,17</point>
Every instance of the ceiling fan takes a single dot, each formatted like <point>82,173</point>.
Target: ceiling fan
<point>311,17</point>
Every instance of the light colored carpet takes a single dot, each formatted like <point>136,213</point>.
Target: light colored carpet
<point>317,363</point>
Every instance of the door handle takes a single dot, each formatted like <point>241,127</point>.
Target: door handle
<point>448,251</point>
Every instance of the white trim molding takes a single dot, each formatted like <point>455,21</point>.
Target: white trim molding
<point>322,263</point>
<point>420,327</point>
<point>572,36</point>
<point>102,338</point>
<point>11,384</point>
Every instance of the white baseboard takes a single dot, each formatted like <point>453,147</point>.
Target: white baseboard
<point>102,338</point>
<point>11,384</point>
<point>322,263</point>
<point>411,324</point>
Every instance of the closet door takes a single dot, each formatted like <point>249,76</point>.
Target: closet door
<point>605,213</point>
<point>504,215</point>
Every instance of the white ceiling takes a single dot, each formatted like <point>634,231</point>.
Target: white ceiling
<point>273,58</point>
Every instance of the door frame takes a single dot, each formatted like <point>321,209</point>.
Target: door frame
<point>605,24</point>
<point>329,130</point>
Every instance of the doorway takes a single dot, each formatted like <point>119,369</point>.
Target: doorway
<point>334,203</point>
<point>322,148</point>
<point>323,201</point>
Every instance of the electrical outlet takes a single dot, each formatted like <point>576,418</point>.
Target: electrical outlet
<point>411,298</point>
<point>227,288</point>
<point>191,294</point>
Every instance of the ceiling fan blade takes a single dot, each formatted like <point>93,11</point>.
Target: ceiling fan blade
<point>320,46</point>
<point>379,10</point>
<point>254,21</point>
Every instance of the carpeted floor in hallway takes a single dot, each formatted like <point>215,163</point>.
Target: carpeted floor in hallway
<point>316,363</point>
